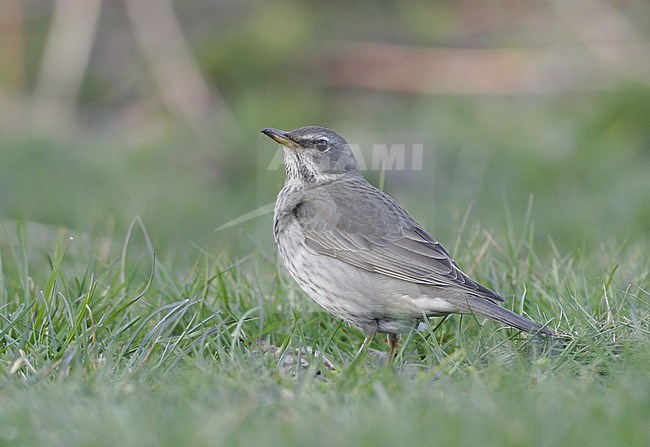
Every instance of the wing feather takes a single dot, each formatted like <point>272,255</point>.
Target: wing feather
<point>378,235</point>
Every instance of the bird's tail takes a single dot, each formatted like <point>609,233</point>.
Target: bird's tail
<point>488,309</point>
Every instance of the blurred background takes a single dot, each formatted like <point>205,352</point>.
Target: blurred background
<point>111,110</point>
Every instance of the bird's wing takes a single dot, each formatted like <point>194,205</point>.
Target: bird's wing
<point>366,228</point>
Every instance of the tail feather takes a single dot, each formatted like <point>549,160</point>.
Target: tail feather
<point>493,311</point>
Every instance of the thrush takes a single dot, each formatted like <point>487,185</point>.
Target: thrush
<point>361,256</point>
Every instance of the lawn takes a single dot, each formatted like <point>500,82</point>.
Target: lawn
<point>106,343</point>
<point>158,330</point>
<point>142,301</point>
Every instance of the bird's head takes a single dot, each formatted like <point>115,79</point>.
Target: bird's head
<point>314,154</point>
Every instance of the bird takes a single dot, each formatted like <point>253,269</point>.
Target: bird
<point>359,254</point>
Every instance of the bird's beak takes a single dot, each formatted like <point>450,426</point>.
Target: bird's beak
<point>281,137</point>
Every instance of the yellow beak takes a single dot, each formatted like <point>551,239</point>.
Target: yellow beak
<point>281,137</point>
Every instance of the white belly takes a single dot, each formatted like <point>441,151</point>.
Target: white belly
<point>362,298</point>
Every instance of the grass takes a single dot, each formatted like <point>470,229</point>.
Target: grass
<point>103,342</point>
<point>131,335</point>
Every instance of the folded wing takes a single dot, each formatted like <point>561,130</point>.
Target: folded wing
<point>375,233</point>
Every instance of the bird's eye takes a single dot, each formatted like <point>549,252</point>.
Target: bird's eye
<point>322,145</point>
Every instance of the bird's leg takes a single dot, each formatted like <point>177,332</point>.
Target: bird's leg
<point>393,341</point>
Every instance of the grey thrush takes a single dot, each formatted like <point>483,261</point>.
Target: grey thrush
<point>356,252</point>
